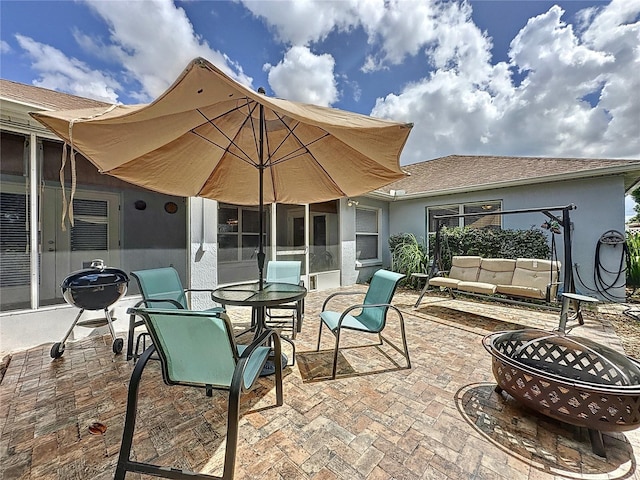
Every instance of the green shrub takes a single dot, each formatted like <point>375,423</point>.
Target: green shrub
<point>633,261</point>
<point>408,255</point>
<point>490,243</point>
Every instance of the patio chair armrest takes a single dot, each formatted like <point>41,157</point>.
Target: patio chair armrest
<point>198,290</point>
<point>261,340</point>
<point>267,336</point>
<point>326,300</point>
<point>362,306</point>
<point>210,290</point>
<point>147,302</point>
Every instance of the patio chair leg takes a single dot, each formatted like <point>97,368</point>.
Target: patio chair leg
<point>335,355</point>
<point>233,418</point>
<point>319,335</point>
<point>293,346</point>
<point>130,417</point>
<point>404,340</point>
<point>299,310</point>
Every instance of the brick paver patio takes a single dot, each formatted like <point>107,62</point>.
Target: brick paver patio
<point>440,419</point>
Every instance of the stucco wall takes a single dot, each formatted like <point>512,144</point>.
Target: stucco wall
<point>351,272</point>
<point>153,238</point>
<point>203,214</point>
<point>600,207</point>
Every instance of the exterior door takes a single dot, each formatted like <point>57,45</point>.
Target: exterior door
<point>292,235</point>
<point>95,235</point>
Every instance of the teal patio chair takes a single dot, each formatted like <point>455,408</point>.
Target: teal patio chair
<point>372,317</point>
<point>198,349</point>
<point>285,272</point>
<point>160,288</point>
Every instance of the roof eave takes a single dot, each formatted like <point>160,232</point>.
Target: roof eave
<point>599,172</point>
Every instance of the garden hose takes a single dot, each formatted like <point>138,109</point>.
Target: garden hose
<point>601,285</point>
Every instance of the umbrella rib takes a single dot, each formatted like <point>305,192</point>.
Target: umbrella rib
<point>246,160</point>
<point>301,150</point>
<point>210,121</point>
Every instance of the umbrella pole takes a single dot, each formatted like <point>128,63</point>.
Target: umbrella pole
<point>261,254</point>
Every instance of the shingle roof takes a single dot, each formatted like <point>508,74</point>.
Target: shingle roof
<point>48,99</point>
<point>457,173</point>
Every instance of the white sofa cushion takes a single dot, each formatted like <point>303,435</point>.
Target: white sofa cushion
<point>444,282</point>
<point>465,268</point>
<point>477,287</point>
<point>531,277</point>
<point>496,270</point>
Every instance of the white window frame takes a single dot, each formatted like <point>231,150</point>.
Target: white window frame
<point>460,207</point>
<point>378,259</point>
<point>240,233</point>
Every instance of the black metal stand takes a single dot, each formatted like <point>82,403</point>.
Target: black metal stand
<point>58,348</point>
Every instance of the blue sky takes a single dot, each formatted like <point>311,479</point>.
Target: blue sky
<point>531,78</point>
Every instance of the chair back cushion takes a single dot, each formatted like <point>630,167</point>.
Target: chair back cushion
<point>381,289</point>
<point>465,268</point>
<point>194,347</point>
<point>284,271</point>
<point>498,271</point>
<point>161,283</point>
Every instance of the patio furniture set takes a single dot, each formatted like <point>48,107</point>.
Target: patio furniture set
<point>199,348</point>
<point>567,378</point>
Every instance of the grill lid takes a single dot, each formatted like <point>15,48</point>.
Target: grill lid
<point>96,275</point>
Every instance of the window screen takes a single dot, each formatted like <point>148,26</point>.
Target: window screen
<point>367,241</point>
<point>14,240</point>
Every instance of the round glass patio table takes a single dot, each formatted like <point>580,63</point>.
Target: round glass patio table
<point>250,295</point>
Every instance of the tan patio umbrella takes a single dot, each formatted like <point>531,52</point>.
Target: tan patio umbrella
<point>212,137</point>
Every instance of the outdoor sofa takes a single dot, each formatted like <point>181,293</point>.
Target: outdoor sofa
<point>527,278</point>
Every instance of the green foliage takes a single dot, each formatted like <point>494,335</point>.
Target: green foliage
<point>636,198</point>
<point>408,255</point>
<point>491,243</point>
<point>633,261</point>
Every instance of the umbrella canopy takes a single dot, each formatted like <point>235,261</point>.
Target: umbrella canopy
<point>202,138</point>
<point>209,136</point>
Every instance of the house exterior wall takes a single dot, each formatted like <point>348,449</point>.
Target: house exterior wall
<point>599,207</point>
<point>351,271</point>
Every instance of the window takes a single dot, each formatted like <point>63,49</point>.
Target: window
<point>238,233</point>
<point>14,241</point>
<point>90,231</point>
<point>473,221</point>
<point>368,235</point>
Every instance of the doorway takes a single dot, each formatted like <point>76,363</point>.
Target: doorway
<point>95,234</point>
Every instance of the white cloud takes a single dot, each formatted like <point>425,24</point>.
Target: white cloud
<point>303,21</point>
<point>58,72</point>
<point>305,77</point>
<point>153,40</point>
<point>395,28</point>
<point>470,106</point>
<point>4,47</point>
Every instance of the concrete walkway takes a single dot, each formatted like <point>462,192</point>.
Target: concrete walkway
<point>440,419</point>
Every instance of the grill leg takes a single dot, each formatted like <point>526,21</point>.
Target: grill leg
<point>62,342</point>
<point>110,323</point>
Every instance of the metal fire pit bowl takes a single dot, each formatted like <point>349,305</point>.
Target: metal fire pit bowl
<point>94,288</point>
<point>571,379</point>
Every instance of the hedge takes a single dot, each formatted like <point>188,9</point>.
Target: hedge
<point>490,243</point>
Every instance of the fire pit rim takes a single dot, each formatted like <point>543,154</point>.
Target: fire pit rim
<point>488,343</point>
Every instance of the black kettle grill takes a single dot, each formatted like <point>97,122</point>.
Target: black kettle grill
<point>94,288</point>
